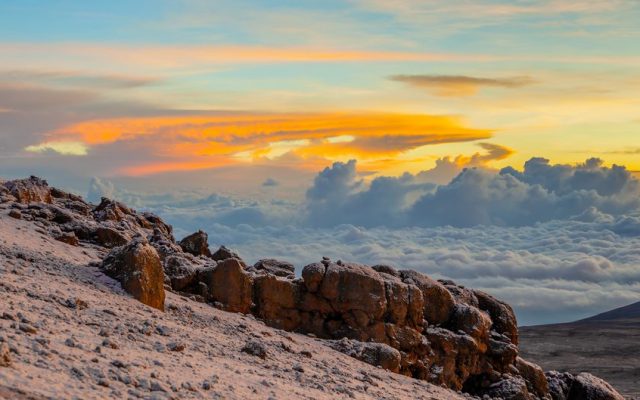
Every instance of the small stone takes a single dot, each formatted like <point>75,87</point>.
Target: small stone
<point>176,346</point>
<point>27,328</point>
<point>15,214</point>
<point>255,348</point>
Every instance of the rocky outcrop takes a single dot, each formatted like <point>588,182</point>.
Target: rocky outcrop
<point>137,267</point>
<point>400,320</point>
<point>30,190</point>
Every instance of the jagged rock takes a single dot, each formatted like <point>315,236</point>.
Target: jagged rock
<point>137,266</point>
<point>109,237</point>
<point>438,302</point>
<point>534,377</point>
<point>230,285</point>
<point>224,253</point>
<point>196,244</point>
<point>502,315</point>
<point>111,210</point>
<point>30,190</point>
<point>274,267</point>
<point>588,387</point>
<point>405,302</point>
<point>377,354</point>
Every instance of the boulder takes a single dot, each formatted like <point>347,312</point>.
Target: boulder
<point>196,244</point>
<point>229,284</point>
<point>313,274</point>
<point>138,269</point>
<point>377,354</point>
<point>30,190</point>
<point>274,267</point>
<point>588,387</point>
<point>438,302</point>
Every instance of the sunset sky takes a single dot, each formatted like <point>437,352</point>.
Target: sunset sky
<point>491,142</point>
<point>395,84</point>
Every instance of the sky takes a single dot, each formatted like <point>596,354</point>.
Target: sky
<point>366,118</point>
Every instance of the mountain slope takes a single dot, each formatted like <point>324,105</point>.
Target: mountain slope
<point>73,332</point>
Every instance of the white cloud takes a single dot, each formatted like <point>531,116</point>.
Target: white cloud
<point>63,148</point>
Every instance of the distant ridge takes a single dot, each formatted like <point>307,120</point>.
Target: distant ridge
<point>632,311</point>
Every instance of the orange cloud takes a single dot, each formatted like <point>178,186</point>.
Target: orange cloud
<point>175,142</point>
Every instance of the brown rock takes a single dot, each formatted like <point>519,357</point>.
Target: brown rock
<point>15,214</point>
<point>534,377</point>
<point>277,301</point>
<point>313,274</point>
<point>68,238</point>
<point>137,266</point>
<point>196,244</point>
<point>5,355</point>
<point>438,302</point>
<point>351,287</point>
<point>109,237</point>
<point>471,321</point>
<point>230,285</point>
<point>502,315</point>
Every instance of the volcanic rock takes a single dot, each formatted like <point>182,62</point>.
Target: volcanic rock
<point>138,269</point>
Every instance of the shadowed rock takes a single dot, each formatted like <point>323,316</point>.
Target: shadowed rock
<point>196,244</point>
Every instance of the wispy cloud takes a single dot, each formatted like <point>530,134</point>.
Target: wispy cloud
<point>460,85</point>
<point>76,78</point>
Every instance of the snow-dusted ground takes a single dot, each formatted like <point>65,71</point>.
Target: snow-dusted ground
<point>71,332</point>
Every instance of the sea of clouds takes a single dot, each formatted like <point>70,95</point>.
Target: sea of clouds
<point>558,242</point>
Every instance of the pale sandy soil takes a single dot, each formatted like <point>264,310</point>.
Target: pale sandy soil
<point>73,333</point>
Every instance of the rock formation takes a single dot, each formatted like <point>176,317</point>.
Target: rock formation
<point>400,320</point>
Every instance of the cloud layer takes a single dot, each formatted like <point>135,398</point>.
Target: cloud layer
<point>558,242</point>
